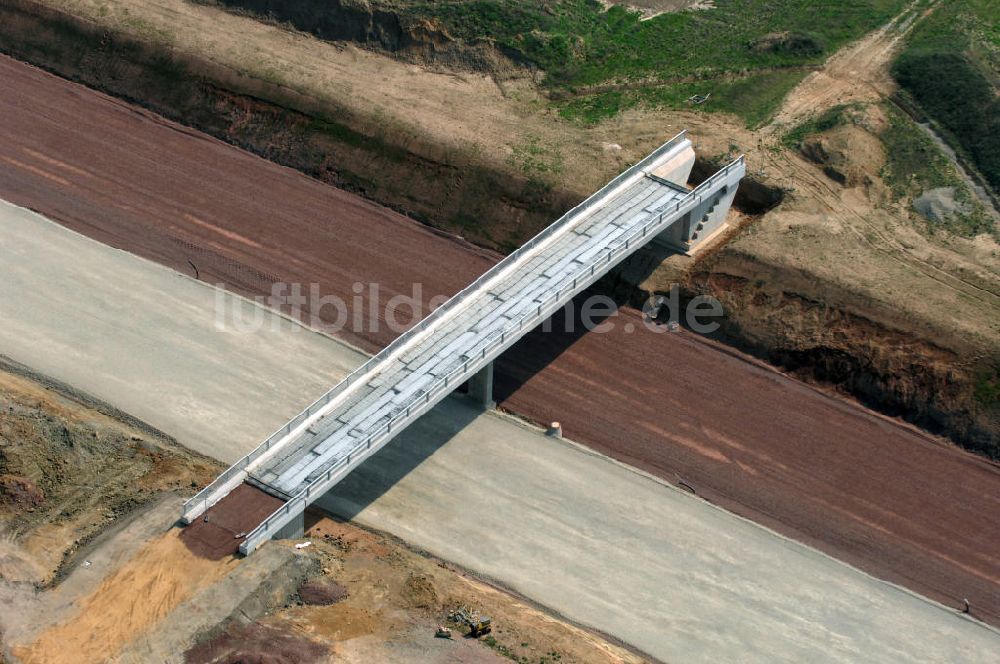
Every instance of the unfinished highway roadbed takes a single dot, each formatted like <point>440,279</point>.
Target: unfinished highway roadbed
<point>598,542</point>
<point>886,498</point>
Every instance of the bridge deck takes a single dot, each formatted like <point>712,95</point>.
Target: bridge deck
<point>403,381</point>
<point>321,445</point>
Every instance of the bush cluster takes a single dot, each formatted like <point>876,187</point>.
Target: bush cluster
<point>954,91</point>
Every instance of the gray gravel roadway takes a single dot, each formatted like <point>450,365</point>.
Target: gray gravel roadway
<point>594,540</point>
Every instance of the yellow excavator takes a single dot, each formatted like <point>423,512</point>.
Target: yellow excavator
<point>477,624</point>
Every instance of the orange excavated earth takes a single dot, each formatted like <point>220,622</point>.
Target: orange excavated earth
<point>886,498</point>
<point>134,597</point>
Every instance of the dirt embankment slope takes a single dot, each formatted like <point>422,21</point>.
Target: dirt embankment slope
<point>161,56</point>
<point>844,283</point>
<point>73,473</point>
<point>822,471</point>
<point>374,596</point>
<point>69,469</point>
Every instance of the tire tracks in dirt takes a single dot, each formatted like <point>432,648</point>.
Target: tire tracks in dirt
<point>857,73</point>
<point>833,201</point>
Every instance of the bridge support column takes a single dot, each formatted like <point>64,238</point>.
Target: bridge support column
<point>481,387</point>
<point>294,529</point>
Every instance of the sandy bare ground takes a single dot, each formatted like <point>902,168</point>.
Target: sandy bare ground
<point>850,225</point>
<point>592,539</point>
<point>859,72</point>
<point>135,597</point>
<point>457,110</point>
<point>652,8</point>
<point>826,226</point>
<point>25,612</point>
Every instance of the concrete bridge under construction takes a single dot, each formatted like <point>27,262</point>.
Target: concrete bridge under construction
<point>457,343</point>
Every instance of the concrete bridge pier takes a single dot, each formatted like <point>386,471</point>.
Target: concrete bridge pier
<point>704,221</point>
<point>481,387</point>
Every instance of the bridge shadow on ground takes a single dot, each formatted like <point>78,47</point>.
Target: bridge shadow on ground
<point>400,457</point>
<point>543,345</point>
<point>444,422</point>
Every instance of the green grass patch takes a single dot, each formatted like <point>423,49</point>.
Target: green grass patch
<point>593,108</point>
<point>754,97</point>
<point>987,390</point>
<point>951,68</point>
<point>915,164</point>
<point>829,119</point>
<point>532,158</point>
<point>747,53</point>
<point>344,134</point>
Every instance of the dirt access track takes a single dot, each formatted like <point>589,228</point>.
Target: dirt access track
<point>881,496</point>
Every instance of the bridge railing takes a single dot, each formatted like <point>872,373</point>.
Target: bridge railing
<point>583,277</point>
<point>211,493</point>
<point>204,498</point>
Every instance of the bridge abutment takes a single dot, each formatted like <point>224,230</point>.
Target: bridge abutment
<point>702,223</point>
<point>677,169</point>
<point>294,529</point>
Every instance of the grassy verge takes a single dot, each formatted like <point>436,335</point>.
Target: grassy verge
<point>753,97</point>
<point>951,68</point>
<point>914,164</point>
<point>747,54</point>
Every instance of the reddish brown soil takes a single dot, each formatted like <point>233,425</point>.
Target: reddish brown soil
<point>20,492</point>
<point>882,496</point>
<point>321,592</point>
<point>178,197</point>
<point>223,527</point>
<point>257,643</point>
